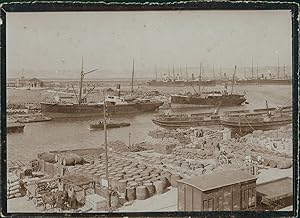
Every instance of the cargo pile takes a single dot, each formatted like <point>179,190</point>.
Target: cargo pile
<point>180,135</point>
<point>130,178</point>
<point>190,153</point>
<point>280,140</point>
<point>14,187</point>
<point>253,145</point>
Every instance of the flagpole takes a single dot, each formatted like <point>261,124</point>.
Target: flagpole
<point>106,155</point>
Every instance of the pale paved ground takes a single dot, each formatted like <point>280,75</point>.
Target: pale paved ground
<point>17,205</point>
<point>163,202</point>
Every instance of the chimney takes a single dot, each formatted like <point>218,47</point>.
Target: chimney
<point>118,90</point>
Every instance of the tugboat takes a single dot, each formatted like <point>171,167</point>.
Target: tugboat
<point>116,105</point>
<point>109,125</point>
<point>209,99</point>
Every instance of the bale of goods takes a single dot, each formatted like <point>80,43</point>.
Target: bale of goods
<point>265,161</point>
<point>284,164</point>
<point>150,187</point>
<point>12,178</point>
<point>47,157</point>
<point>122,186</point>
<point>159,186</point>
<point>141,192</point>
<point>273,163</point>
<point>12,188</point>
<point>174,179</point>
<point>131,193</point>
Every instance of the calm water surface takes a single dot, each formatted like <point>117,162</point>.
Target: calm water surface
<point>74,133</point>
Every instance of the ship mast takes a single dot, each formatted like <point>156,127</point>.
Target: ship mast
<point>199,77</point>
<point>132,77</point>
<point>252,69</point>
<point>82,74</point>
<point>278,69</point>
<point>233,79</point>
<point>80,84</point>
<point>186,73</point>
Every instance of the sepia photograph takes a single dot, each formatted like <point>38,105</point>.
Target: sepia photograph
<point>149,111</point>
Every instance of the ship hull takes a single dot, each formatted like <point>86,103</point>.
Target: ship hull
<point>83,110</point>
<point>181,83</point>
<point>224,100</point>
<point>248,127</point>
<point>188,123</point>
<point>265,82</point>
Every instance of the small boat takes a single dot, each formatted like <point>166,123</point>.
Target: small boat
<point>34,119</point>
<point>15,127</point>
<point>109,125</point>
<point>183,120</point>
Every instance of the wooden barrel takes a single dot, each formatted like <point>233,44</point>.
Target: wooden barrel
<point>68,161</point>
<point>167,175</point>
<point>141,193</point>
<point>122,186</point>
<point>139,181</point>
<point>165,181</point>
<point>131,179</point>
<point>150,187</point>
<point>174,178</point>
<point>114,199</point>
<point>131,193</point>
<point>159,186</point>
<point>134,184</point>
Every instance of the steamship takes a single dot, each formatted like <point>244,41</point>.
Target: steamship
<point>115,105</point>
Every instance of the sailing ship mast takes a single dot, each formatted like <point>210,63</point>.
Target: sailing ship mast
<point>132,77</point>
<point>199,77</point>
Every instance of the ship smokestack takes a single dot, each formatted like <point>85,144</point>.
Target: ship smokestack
<point>118,90</point>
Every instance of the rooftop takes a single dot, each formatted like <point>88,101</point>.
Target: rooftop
<point>216,180</point>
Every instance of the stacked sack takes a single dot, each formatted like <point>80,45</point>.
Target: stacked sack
<point>14,187</point>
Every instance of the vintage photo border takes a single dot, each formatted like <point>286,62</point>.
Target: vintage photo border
<point>102,6</point>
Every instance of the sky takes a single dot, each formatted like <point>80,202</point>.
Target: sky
<point>52,44</point>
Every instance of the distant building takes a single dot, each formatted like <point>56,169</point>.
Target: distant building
<point>29,83</point>
<point>34,83</point>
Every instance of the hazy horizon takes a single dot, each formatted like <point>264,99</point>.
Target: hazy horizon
<point>51,45</point>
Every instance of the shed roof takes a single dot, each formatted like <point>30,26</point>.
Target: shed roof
<point>34,80</point>
<point>216,180</point>
<point>276,189</point>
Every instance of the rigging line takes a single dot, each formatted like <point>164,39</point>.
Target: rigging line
<point>249,124</point>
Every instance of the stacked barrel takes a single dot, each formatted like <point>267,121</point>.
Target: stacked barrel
<point>130,179</point>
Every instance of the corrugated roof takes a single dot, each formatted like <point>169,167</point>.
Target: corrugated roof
<point>216,180</point>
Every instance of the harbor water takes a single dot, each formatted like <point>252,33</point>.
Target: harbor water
<point>73,133</point>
